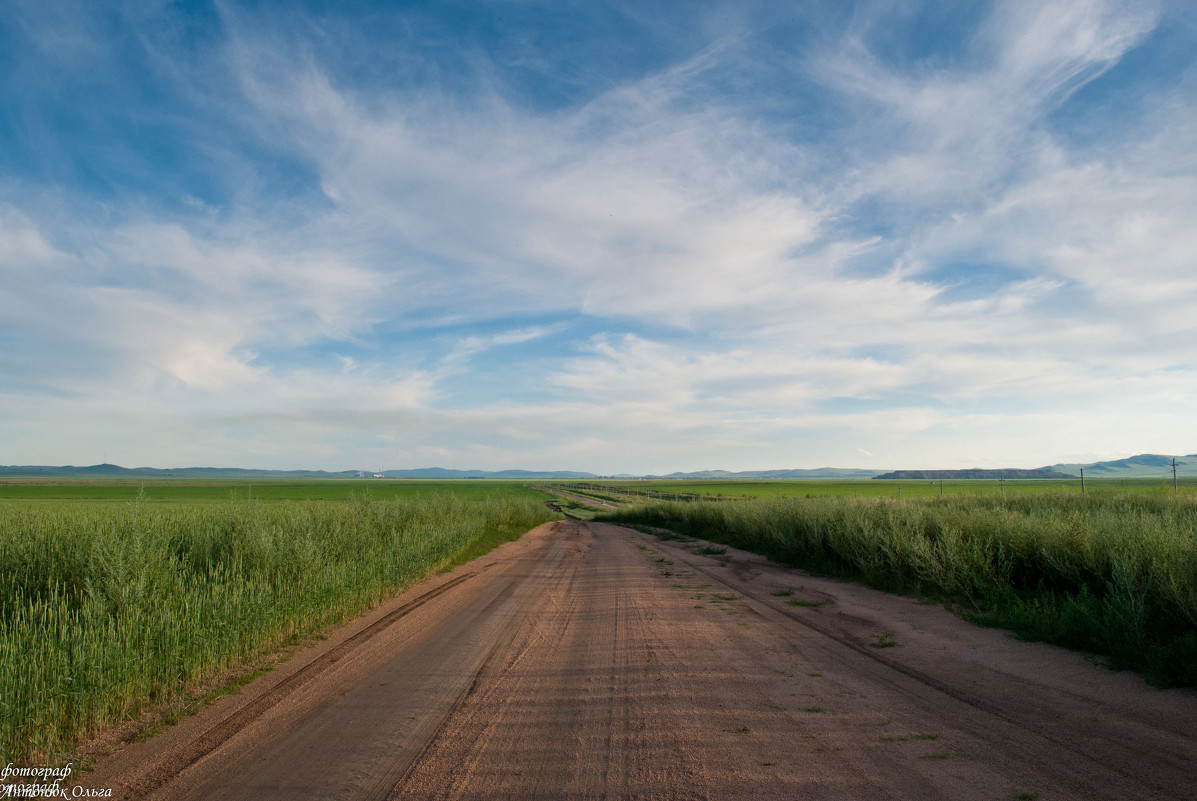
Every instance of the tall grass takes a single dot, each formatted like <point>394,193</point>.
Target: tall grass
<point>1111,574</point>
<point>108,608</point>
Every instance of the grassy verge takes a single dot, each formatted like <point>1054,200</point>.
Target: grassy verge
<point>494,536</point>
<point>1115,574</point>
<point>109,609</point>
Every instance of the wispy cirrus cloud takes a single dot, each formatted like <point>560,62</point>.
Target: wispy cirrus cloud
<point>705,260</point>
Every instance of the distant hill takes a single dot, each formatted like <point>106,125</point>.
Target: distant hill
<point>116,471</point>
<point>957,474</point>
<point>1145,465</point>
<point>530,475</point>
<point>818,472</point>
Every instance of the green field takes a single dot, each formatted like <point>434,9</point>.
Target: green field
<point>38,489</point>
<point>110,608</point>
<point>1113,573</point>
<point>117,597</point>
<point>866,488</point>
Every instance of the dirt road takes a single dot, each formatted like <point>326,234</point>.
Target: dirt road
<point>588,661</point>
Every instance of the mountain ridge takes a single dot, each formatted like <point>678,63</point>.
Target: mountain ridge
<point>974,473</point>
<point>1144,465</point>
<point>116,471</point>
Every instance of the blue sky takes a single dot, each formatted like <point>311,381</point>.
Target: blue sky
<point>617,237</point>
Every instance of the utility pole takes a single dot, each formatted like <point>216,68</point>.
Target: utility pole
<point>1174,476</point>
<point>1002,484</point>
<point>1082,481</point>
<point>941,488</point>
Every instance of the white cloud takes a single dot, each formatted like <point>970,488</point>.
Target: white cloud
<point>472,346</point>
<point>632,206</point>
<point>22,244</point>
<point>949,135</point>
<point>751,311</point>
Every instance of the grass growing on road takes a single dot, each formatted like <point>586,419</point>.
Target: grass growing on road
<point>107,609</point>
<point>1115,574</point>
